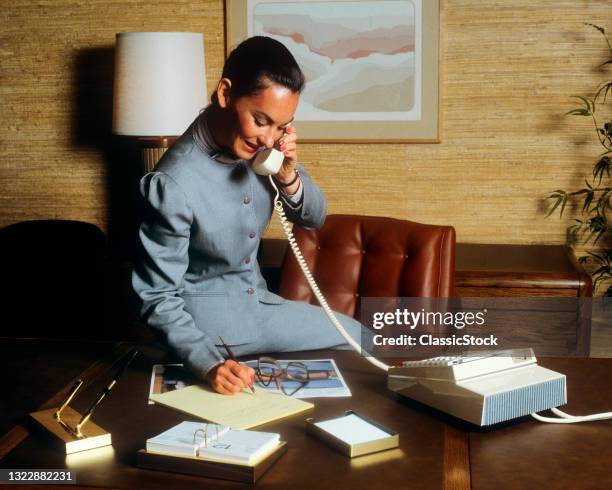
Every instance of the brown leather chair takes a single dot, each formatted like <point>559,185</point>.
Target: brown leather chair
<point>368,256</point>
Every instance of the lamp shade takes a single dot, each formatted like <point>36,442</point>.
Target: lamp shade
<point>160,82</point>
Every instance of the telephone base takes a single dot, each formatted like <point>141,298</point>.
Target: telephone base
<point>486,399</point>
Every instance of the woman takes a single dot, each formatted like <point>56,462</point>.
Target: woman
<point>206,211</point>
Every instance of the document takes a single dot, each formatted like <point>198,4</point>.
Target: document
<point>169,377</point>
<point>325,379</point>
<point>240,411</point>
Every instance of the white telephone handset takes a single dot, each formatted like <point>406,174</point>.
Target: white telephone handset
<point>268,162</point>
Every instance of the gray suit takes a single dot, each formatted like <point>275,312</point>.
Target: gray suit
<point>199,277</point>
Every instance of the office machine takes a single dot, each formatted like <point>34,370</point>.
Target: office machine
<point>483,388</point>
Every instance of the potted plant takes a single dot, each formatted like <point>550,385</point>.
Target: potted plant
<point>595,227</point>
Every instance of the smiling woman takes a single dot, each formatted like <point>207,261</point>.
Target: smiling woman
<point>206,210</point>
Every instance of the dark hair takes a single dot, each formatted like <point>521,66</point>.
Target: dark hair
<point>256,62</point>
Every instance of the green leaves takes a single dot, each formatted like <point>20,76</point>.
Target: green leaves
<point>598,226</point>
<point>589,194</point>
<point>603,33</point>
<point>560,198</point>
<point>600,29</point>
<point>604,88</point>
<point>576,230</point>
<point>594,200</point>
<point>604,203</point>
<point>603,263</point>
<point>587,108</point>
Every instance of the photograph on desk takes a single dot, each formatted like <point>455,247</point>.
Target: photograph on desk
<point>169,377</point>
<point>303,378</point>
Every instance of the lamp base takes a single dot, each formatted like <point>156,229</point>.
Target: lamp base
<point>153,148</point>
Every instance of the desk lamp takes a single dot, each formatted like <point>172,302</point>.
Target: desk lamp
<point>160,87</point>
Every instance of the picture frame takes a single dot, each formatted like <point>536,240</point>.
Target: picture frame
<point>371,66</point>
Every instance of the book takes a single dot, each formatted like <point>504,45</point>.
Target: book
<point>240,411</point>
<point>186,438</point>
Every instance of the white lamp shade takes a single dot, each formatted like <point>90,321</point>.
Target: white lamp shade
<point>160,82</point>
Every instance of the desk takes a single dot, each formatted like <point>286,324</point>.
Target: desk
<point>433,453</point>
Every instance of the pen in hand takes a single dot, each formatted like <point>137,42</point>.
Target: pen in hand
<point>233,358</point>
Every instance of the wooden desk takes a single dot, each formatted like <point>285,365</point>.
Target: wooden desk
<point>434,452</point>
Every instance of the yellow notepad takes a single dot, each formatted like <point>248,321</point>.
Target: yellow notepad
<point>240,411</point>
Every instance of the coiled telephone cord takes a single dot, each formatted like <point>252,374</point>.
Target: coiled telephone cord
<point>278,207</point>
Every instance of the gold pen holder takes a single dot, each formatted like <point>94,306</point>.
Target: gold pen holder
<point>67,426</point>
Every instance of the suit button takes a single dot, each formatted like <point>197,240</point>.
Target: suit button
<point>247,200</point>
<point>247,260</point>
<point>252,234</point>
<point>250,290</point>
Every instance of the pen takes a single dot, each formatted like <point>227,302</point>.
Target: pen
<point>122,368</point>
<point>233,357</point>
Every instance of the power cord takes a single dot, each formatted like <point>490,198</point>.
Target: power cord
<point>571,419</point>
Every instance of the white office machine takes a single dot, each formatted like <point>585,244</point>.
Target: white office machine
<point>482,388</point>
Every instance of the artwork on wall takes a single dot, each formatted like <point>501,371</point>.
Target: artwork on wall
<point>371,66</point>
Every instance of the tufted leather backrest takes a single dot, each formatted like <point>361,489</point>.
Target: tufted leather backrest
<point>368,256</point>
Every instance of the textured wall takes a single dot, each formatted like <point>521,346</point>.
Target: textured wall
<point>509,67</point>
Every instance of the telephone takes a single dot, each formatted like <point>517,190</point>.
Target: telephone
<point>484,388</point>
<point>268,161</point>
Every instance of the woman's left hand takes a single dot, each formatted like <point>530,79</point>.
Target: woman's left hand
<point>288,145</point>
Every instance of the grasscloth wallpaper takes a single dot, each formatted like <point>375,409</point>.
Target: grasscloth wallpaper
<point>508,67</point>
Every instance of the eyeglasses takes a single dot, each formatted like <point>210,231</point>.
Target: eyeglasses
<point>288,379</point>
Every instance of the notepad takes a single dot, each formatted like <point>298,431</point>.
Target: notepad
<point>352,429</point>
<point>240,411</point>
<point>180,438</point>
<point>353,434</point>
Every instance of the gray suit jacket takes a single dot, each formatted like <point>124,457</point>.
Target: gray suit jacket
<point>198,276</point>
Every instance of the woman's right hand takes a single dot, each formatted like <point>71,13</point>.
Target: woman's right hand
<point>230,377</point>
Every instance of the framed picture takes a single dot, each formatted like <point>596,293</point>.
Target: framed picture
<point>371,66</point>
